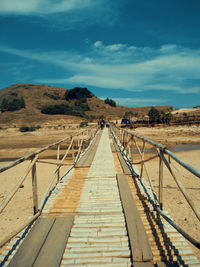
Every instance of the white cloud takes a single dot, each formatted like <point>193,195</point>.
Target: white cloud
<point>98,43</point>
<point>22,6</point>
<point>168,48</point>
<point>138,69</point>
<point>116,47</point>
<point>138,101</point>
<point>25,7</point>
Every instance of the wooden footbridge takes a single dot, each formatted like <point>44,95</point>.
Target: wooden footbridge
<point>101,212</point>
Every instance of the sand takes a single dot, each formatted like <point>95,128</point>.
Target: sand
<point>14,144</point>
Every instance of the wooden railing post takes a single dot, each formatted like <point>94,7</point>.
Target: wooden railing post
<point>132,148</point>
<point>161,181</point>
<point>34,188</point>
<point>142,163</point>
<point>73,151</point>
<point>78,140</point>
<point>83,140</point>
<point>58,158</point>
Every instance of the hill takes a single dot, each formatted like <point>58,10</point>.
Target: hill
<point>38,96</point>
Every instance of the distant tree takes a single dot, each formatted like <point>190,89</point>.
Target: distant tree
<point>154,115</point>
<point>78,93</point>
<point>165,117</point>
<point>128,114</point>
<point>110,102</point>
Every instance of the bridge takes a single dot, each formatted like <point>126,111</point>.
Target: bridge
<point>101,212</point>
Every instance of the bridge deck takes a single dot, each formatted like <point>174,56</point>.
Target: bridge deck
<point>97,217</point>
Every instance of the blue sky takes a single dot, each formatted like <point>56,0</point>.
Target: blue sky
<point>137,52</point>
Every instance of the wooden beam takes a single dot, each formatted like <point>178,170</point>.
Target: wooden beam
<point>54,163</point>
<point>125,167</point>
<point>161,181</point>
<point>58,158</point>
<point>52,251</point>
<point>29,249</point>
<point>34,189</point>
<point>87,158</point>
<point>140,248</point>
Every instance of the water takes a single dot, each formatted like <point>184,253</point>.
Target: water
<point>185,148</point>
<point>174,149</point>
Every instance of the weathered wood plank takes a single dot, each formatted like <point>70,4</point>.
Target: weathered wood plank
<point>167,264</point>
<point>125,167</point>
<point>29,249</point>
<point>87,158</point>
<point>52,251</point>
<point>141,250</point>
<point>143,264</point>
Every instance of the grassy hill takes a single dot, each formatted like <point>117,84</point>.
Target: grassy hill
<point>38,96</point>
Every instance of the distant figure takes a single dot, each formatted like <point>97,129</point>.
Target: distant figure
<point>102,124</point>
<point>107,124</point>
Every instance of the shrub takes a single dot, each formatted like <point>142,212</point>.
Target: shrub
<point>65,109</point>
<point>78,93</point>
<point>83,124</point>
<point>12,105</point>
<point>110,102</point>
<point>56,109</point>
<point>29,128</point>
<point>26,129</point>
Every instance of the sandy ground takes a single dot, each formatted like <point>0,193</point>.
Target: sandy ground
<point>14,144</point>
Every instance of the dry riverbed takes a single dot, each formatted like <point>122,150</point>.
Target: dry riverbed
<point>14,144</point>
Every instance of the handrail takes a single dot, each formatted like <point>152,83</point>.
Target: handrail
<point>157,203</point>
<point>163,148</point>
<point>90,134</point>
<point>29,156</point>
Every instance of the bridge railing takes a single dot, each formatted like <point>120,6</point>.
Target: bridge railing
<point>132,143</point>
<point>69,148</point>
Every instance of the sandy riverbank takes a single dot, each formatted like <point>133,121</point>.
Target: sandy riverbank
<point>14,144</point>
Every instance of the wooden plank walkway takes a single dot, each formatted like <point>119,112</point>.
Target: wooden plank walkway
<point>98,216</point>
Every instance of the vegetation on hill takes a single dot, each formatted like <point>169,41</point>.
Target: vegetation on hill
<point>79,102</point>
<point>110,102</point>
<point>77,109</point>
<point>78,93</point>
<point>155,116</point>
<point>29,128</point>
<point>12,104</point>
<point>65,109</point>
